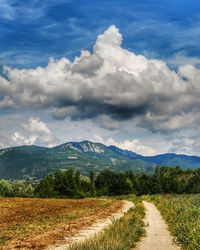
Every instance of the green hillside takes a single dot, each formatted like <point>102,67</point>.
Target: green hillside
<point>33,162</point>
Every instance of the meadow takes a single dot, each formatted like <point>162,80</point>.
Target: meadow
<point>35,223</point>
<point>182,213</point>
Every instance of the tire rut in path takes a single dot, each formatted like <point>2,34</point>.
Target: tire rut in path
<point>157,233</point>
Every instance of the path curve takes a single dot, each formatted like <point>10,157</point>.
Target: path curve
<point>94,229</point>
<point>157,233</point>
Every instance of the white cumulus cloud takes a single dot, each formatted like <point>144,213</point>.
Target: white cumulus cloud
<point>108,82</point>
<point>36,132</point>
<point>132,145</point>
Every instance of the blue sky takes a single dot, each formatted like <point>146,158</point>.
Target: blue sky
<point>33,31</point>
<point>136,85</point>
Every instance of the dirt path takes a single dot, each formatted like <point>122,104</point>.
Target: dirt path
<point>94,229</point>
<point>157,233</point>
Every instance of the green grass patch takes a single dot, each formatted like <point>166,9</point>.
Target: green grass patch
<point>4,239</point>
<point>122,234</point>
<point>182,213</point>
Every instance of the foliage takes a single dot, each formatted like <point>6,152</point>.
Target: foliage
<point>22,189</point>
<point>165,180</point>
<point>111,183</point>
<point>169,180</point>
<point>182,213</point>
<point>122,234</point>
<point>5,188</point>
<point>63,184</point>
<point>71,184</point>
<point>16,189</point>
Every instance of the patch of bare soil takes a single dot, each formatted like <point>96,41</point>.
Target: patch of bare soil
<point>56,220</point>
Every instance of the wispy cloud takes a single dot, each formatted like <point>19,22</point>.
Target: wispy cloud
<point>7,11</point>
<point>181,58</point>
<point>23,58</point>
<point>27,10</point>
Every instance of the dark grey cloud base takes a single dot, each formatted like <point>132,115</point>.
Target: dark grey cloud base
<point>109,82</point>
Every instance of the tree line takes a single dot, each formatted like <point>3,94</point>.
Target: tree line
<point>72,184</point>
<point>16,189</point>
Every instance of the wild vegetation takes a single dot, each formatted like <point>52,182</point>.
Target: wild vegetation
<point>36,223</point>
<point>182,213</point>
<point>122,234</point>
<point>23,221</point>
<point>33,162</point>
<point>71,184</point>
<point>16,189</point>
<point>164,180</point>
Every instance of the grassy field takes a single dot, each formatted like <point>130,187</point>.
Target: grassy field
<point>36,223</point>
<point>182,213</point>
<point>122,234</point>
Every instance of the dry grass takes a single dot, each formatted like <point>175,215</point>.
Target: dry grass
<point>121,235</point>
<point>36,223</point>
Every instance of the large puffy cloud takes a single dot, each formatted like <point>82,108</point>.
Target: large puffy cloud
<point>109,82</point>
<point>35,132</point>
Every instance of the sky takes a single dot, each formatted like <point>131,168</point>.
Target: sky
<point>124,73</point>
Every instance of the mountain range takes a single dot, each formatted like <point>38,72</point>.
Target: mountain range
<point>34,162</point>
